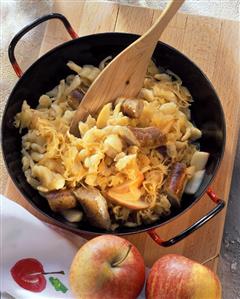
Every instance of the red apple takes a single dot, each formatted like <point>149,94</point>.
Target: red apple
<point>176,277</point>
<point>107,267</point>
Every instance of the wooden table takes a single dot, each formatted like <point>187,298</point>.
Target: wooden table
<point>210,43</point>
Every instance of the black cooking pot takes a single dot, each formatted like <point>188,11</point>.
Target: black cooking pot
<point>46,72</point>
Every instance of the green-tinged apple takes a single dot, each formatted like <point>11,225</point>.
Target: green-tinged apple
<point>107,267</point>
<point>177,277</point>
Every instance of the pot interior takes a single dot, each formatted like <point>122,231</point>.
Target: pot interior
<point>46,73</point>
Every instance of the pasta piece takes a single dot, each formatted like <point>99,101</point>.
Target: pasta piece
<point>152,68</point>
<point>72,215</point>
<point>93,161</point>
<point>45,101</point>
<point>112,145</point>
<point>73,66</point>
<point>73,86</point>
<point>168,108</point>
<point>104,62</point>
<point>125,161</point>
<point>61,89</point>
<point>48,179</point>
<point>25,163</point>
<point>104,116</point>
<point>89,72</point>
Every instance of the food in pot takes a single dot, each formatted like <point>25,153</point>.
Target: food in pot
<point>133,158</point>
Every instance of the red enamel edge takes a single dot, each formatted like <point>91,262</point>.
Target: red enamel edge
<point>212,195</point>
<point>154,235</point>
<point>17,69</point>
<point>72,33</point>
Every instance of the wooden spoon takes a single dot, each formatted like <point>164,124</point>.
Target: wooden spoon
<point>124,75</point>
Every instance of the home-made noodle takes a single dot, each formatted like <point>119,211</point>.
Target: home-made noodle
<point>132,176</point>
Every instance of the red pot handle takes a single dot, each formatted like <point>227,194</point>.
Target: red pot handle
<point>220,205</point>
<point>27,28</point>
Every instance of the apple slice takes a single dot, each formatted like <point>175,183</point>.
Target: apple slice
<point>128,195</point>
<point>127,200</point>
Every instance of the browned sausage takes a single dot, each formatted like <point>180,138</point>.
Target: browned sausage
<point>61,200</point>
<point>94,206</point>
<point>132,107</point>
<point>176,183</point>
<point>162,150</point>
<point>149,137</point>
<point>74,98</point>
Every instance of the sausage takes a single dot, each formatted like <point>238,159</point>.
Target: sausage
<point>61,200</point>
<point>132,107</point>
<point>149,137</point>
<point>94,206</point>
<point>74,98</point>
<point>146,137</point>
<point>162,150</point>
<point>176,183</point>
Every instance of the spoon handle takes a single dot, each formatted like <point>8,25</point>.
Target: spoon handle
<point>161,23</point>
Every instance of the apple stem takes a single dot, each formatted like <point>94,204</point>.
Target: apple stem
<point>123,258</point>
<point>210,259</point>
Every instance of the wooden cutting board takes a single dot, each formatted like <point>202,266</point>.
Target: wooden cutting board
<point>210,43</point>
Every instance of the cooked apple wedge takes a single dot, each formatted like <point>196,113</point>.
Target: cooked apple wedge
<point>128,195</point>
<point>127,200</point>
<point>199,160</point>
